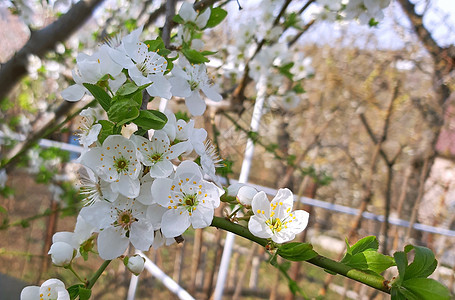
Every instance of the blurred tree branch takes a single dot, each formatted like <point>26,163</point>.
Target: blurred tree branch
<point>44,40</point>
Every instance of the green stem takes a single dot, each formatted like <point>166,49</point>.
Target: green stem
<point>97,275</point>
<point>70,267</point>
<point>371,280</point>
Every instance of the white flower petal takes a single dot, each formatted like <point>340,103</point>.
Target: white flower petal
<point>161,169</point>
<point>111,243</point>
<point>160,87</point>
<point>97,215</point>
<point>202,216</point>
<point>187,12</point>
<point>211,93</point>
<point>258,228</point>
<point>161,190</point>
<point>179,87</point>
<point>73,93</point>
<point>141,235</point>
<point>261,203</point>
<point>202,19</point>
<point>196,105</point>
<point>30,293</point>
<point>173,223</point>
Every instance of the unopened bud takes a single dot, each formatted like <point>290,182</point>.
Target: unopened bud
<point>245,195</point>
<point>62,254</point>
<point>134,263</point>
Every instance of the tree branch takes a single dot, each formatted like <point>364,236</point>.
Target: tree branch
<point>44,40</point>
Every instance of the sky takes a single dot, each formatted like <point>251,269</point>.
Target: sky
<point>439,19</point>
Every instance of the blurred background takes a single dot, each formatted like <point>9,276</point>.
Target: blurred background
<point>368,142</point>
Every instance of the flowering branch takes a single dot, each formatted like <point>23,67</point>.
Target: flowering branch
<point>373,281</point>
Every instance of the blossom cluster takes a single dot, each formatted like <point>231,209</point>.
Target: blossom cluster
<point>143,67</point>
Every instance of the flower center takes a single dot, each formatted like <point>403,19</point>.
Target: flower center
<point>121,164</point>
<point>142,67</point>
<point>275,224</point>
<point>156,157</point>
<point>125,219</point>
<point>193,84</point>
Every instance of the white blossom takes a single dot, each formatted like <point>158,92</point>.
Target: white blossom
<point>51,289</point>
<point>118,224</point>
<point>275,219</point>
<point>188,81</point>
<point>116,162</point>
<point>189,199</point>
<point>158,153</point>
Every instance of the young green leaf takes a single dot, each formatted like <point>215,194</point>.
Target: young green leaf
<point>123,110</point>
<point>100,95</point>
<point>150,119</point>
<point>127,89</point>
<point>426,289</point>
<point>401,260</point>
<point>285,70</point>
<point>84,294</point>
<point>423,265</point>
<point>367,243</point>
<point>217,15</point>
<point>370,260</point>
<point>73,291</point>
<point>194,56</point>
<point>178,19</point>
<point>106,130</point>
<point>297,251</point>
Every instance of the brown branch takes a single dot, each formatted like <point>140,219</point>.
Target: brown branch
<point>422,33</point>
<point>170,13</point>
<point>43,41</point>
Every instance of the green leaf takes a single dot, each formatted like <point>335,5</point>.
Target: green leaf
<point>150,119</point>
<point>370,260</point>
<point>396,295</point>
<point>194,57</point>
<point>100,95</point>
<point>298,89</point>
<point>426,288</point>
<point>74,290</point>
<point>84,294</point>
<point>3,210</point>
<point>127,89</point>
<point>423,265</point>
<point>123,110</point>
<point>401,260</point>
<point>217,15</point>
<point>158,46</point>
<point>373,22</point>
<point>178,19</point>
<point>285,70</point>
<point>205,53</point>
<point>291,20</point>
<point>297,251</point>
<point>107,129</point>
<point>367,243</point>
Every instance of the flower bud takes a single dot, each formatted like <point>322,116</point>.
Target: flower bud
<point>135,264</point>
<point>245,195</point>
<point>62,254</point>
